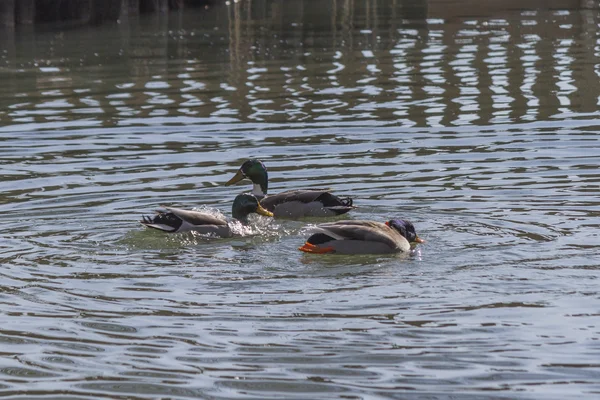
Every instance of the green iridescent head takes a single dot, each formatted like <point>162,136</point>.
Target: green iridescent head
<point>256,171</point>
<point>246,204</point>
<point>406,229</point>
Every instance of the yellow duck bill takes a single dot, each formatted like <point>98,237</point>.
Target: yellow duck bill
<point>237,177</point>
<point>260,210</point>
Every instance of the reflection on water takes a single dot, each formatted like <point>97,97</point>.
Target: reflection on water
<point>478,125</point>
<point>299,63</point>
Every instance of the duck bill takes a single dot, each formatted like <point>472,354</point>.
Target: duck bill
<point>260,210</point>
<point>237,177</point>
<point>419,240</point>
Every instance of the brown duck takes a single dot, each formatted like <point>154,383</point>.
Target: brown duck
<point>292,203</point>
<point>362,237</point>
<point>176,220</point>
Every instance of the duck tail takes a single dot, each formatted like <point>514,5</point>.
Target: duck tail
<point>347,202</point>
<point>345,205</point>
<point>161,222</point>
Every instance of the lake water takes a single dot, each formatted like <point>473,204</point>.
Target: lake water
<point>482,129</point>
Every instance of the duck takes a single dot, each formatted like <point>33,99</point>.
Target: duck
<point>176,220</point>
<point>291,204</point>
<point>362,237</point>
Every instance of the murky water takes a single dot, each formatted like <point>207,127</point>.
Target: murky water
<point>483,130</point>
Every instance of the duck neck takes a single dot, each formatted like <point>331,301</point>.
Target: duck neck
<point>260,182</point>
<point>240,215</point>
<point>258,191</point>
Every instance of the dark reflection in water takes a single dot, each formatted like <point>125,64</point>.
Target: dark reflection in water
<point>309,60</point>
<point>477,122</point>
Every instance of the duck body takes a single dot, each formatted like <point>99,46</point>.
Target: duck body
<point>293,203</point>
<point>176,220</point>
<point>362,237</point>
<point>306,203</point>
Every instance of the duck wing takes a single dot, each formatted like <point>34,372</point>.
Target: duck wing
<point>322,197</point>
<point>367,231</point>
<point>173,220</point>
<point>196,217</point>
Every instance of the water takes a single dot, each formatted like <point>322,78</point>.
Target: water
<point>481,129</point>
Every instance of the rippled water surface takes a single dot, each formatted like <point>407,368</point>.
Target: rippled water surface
<point>479,125</point>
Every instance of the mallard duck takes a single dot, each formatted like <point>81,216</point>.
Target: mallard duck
<point>175,220</point>
<point>362,237</point>
<point>293,203</point>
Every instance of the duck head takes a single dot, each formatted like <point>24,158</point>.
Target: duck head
<point>406,229</point>
<point>245,204</point>
<point>256,171</point>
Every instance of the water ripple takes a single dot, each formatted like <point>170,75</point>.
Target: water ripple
<point>481,130</point>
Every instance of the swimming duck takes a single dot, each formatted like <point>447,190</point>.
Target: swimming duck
<point>362,237</point>
<point>292,203</point>
<point>176,220</point>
